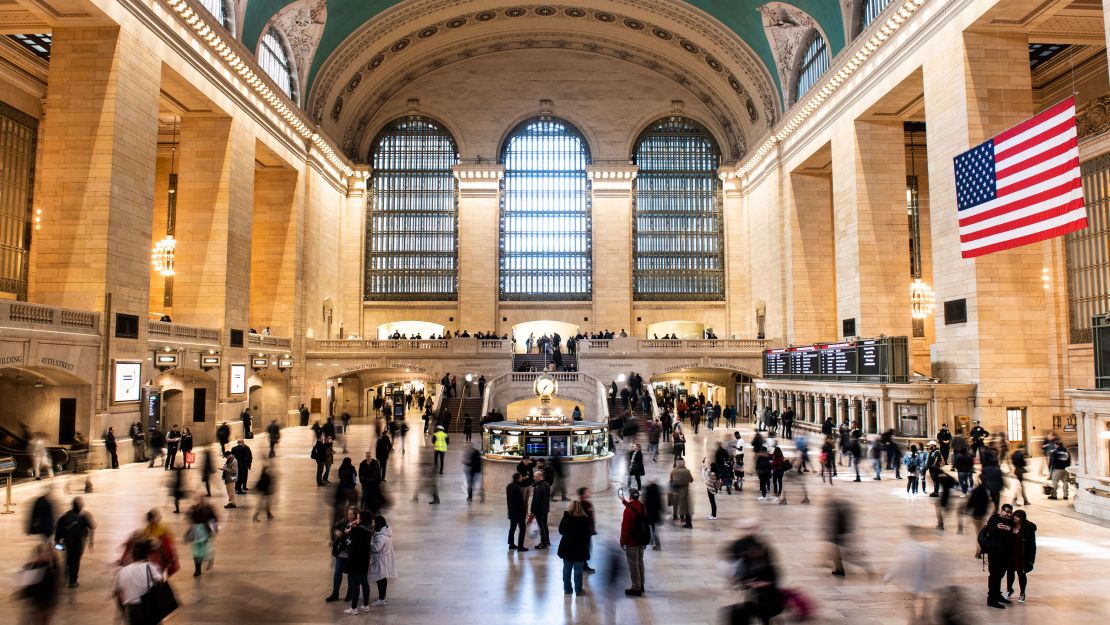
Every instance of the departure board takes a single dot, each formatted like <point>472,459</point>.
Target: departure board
<point>776,362</point>
<point>805,361</point>
<point>838,359</point>
<point>884,359</point>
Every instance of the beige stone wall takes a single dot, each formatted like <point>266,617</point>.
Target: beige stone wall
<point>274,251</point>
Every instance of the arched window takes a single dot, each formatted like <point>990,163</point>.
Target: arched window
<point>545,213</point>
<point>870,11</point>
<point>218,10</point>
<point>411,240</point>
<point>274,59</point>
<point>677,217</point>
<point>813,64</point>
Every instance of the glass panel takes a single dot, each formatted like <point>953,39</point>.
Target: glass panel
<point>545,213</point>
<point>38,43</point>
<point>411,231</point>
<point>17,172</point>
<point>218,11</point>
<point>275,62</point>
<point>871,10</point>
<point>1088,253</point>
<point>815,62</point>
<point>1015,424</point>
<point>678,222</point>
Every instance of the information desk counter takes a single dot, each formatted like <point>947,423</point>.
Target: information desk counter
<point>582,447</point>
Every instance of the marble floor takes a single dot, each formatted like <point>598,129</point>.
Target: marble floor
<point>454,567</point>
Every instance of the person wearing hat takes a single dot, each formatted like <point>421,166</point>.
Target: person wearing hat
<point>439,443</point>
<point>978,434</point>
<point>633,544</point>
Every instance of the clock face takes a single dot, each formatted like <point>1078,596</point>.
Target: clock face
<point>545,386</point>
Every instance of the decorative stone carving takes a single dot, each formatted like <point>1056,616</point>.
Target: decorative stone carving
<point>303,24</point>
<point>786,27</point>
<point>1094,118</point>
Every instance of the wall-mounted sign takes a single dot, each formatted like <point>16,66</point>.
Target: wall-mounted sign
<point>260,363</point>
<point>126,381</point>
<point>208,361</point>
<point>238,379</point>
<point>285,363</point>
<point>164,360</point>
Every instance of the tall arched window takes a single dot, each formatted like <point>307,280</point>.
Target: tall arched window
<point>411,240</point>
<point>813,64</point>
<point>219,10</point>
<point>545,213</point>
<point>870,11</point>
<point>677,218</point>
<point>274,59</point>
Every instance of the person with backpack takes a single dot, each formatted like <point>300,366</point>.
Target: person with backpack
<point>913,469</point>
<point>964,464</point>
<point>1058,463</point>
<point>73,531</point>
<point>635,536</point>
<point>996,540</point>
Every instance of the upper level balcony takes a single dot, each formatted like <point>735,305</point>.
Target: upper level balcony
<point>423,347</point>
<point>16,315</point>
<point>626,345</point>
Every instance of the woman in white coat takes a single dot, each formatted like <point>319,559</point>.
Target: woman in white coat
<point>382,564</point>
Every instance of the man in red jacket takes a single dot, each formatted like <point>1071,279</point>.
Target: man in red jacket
<point>632,544</point>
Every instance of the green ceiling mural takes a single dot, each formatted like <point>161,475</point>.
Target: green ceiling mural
<point>346,16</point>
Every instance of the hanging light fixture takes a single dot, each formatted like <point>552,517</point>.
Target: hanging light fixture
<point>162,257</point>
<point>922,300</point>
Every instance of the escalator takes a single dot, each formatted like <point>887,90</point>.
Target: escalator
<point>18,447</point>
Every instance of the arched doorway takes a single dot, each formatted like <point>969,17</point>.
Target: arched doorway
<point>189,400</point>
<point>41,402</point>
<point>363,394</point>
<point>409,329</point>
<point>268,399</point>
<point>537,329</point>
<point>680,330</point>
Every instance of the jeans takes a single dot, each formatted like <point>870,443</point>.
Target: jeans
<point>337,578</point>
<point>541,522</point>
<point>575,568</point>
<point>712,502</point>
<point>635,558</point>
<point>437,461</point>
<point>654,449</point>
<point>965,480</point>
<point>638,483</point>
<point>994,578</point>
<point>516,525</point>
<point>74,552</point>
<point>764,484</point>
<point>356,582</point>
<point>1058,476</point>
<point>878,462</point>
<point>171,457</point>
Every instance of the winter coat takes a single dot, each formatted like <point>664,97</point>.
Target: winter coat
<point>636,463</point>
<point>680,487</point>
<point>541,498</point>
<point>382,563</point>
<point>575,545</point>
<point>514,499</point>
<point>358,551</point>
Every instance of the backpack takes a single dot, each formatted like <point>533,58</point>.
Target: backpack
<point>911,466</point>
<point>983,540</point>
<point>641,529</point>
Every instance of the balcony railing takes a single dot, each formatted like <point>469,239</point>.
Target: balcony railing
<point>175,331</point>
<point>267,340</point>
<point>629,344</point>
<point>458,345</point>
<point>560,376</point>
<point>49,317</point>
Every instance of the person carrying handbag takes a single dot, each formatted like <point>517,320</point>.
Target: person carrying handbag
<point>140,589</point>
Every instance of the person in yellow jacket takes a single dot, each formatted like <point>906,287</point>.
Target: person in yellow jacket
<point>439,443</point>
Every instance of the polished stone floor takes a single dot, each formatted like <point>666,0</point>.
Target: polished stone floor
<point>454,568</point>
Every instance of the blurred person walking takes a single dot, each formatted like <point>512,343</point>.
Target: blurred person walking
<point>203,526</point>
<point>36,584</point>
<point>73,531</point>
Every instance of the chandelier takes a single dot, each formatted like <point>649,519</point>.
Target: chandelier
<point>162,257</point>
<point>922,299</point>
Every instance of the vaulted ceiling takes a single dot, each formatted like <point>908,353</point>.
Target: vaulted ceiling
<point>352,57</point>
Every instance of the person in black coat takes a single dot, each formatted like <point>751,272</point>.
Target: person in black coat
<point>541,506</point>
<point>1024,551</point>
<point>358,561</point>
<point>110,447</point>
<point>514,500</point>
<point>996,542</point>
<point>574,548</point>
<point>223,435</point>
<point>383,449</point>
<point>635,466</point>
<point>41,521</point>
<point>243,457</point>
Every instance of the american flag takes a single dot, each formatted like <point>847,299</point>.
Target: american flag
<point>1022,186</point>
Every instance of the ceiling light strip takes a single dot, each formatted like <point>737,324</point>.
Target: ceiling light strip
<point>848,67</point>
<point>246,72</point>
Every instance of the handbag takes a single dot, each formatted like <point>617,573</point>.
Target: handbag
<point>157,602</point>
<point>190,457</point>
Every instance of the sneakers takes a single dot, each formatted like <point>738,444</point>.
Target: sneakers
<point>1021,598</point>
<point>762,499</point>
<point>351,611</point>
<point>364,609</point>
<point>378,603</point>
<point>1009,593</point>
<point>711,518</point>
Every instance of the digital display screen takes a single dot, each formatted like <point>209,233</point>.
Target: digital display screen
<point>868,354</point>
<point>838,359</point>
<point>776,362</point>
<point>560,445</point>
<point>238,379</point>
<point>805,361</point>
<point>535,445</point>
<point>126,381</point>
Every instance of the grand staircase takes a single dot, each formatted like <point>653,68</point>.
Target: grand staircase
<point>539,361</point>
<point>452,410</point>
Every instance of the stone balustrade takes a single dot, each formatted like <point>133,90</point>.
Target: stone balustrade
<point>626,344</point>
<point>53,318</point>
<point>456,345</point>
<point>266,340</point>
<point>167,331</point>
